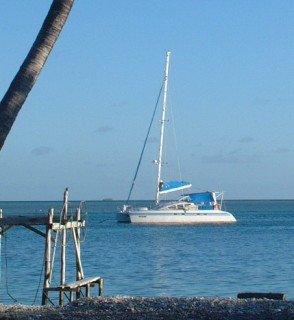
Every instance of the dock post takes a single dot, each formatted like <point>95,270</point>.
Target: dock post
<point>78,251</point>
<point>63,246</point>
<point>47,257</point>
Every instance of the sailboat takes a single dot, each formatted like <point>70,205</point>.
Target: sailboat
<point>190,208</point>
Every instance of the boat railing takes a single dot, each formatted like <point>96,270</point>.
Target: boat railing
<point>126,208</point>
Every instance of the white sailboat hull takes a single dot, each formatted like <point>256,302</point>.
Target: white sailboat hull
<point>180,217</point>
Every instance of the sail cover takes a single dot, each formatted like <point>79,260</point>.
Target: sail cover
<point>171,186</point>
<point>202,197</point>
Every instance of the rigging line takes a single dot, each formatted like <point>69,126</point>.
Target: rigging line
<point>49,299</point>
<point>68,232</point>
<point>145,142</point>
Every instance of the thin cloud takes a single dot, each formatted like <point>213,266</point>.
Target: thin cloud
<point>282,150</point>
<point>104,129</point>
<point>246,140</point>
<point>101,165</point>
<point>262,101</point>
<point>41,151</point>
<point>233,158</point>
<point>118,105</point>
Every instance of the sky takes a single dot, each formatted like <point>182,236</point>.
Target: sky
<point>230,96</point>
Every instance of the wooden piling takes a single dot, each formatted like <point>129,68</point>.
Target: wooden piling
<point>76,231</point>
<point>63,246</point>
<point>47,257</point>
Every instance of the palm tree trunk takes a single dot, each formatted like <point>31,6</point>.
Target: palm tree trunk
<point>29,71</point>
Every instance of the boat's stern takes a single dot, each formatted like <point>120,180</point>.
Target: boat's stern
<point>123,215</point>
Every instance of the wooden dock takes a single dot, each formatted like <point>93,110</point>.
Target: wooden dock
<point>56,226</point>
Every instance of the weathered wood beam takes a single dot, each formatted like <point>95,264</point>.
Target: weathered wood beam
<point>34,230</point>
<point>68,225</point>
<point>21,220</point>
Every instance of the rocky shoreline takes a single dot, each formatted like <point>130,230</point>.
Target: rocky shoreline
<point>157,308</point>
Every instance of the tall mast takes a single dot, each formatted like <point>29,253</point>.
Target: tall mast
<point>159,162</point>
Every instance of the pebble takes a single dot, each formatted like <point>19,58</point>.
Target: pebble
<point>159,308</point>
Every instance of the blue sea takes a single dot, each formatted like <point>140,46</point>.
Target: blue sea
<point>254,255</point>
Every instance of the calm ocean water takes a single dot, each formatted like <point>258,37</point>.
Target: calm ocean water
<point>256,254</point>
